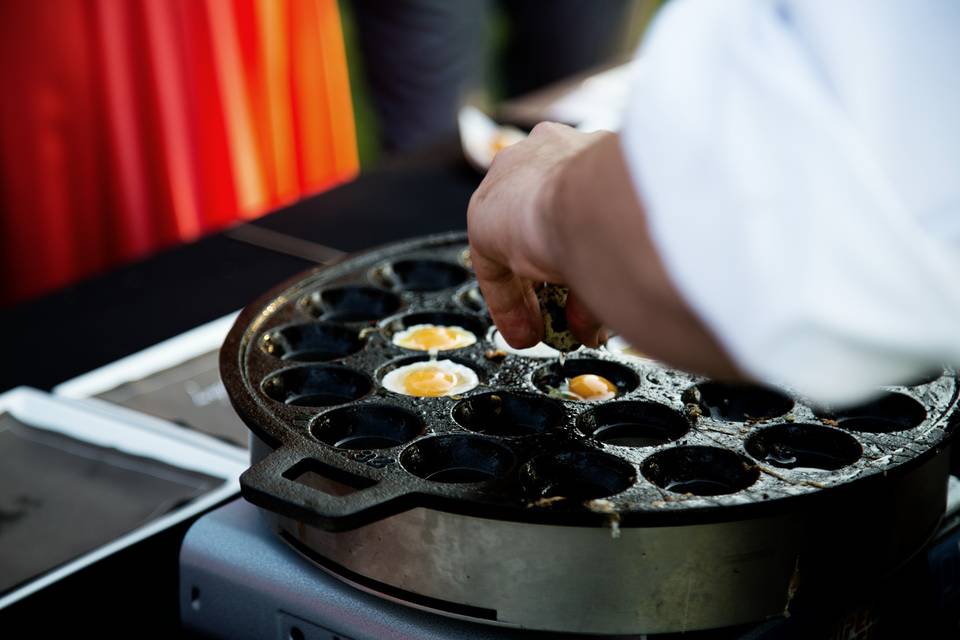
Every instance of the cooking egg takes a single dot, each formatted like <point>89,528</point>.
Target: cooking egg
<point>620,347</point>
<point>539,350</point>
<point>431,337</point>
<point>588,387</point>
<point>430,379</point>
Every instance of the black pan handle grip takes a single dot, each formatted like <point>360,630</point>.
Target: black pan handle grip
<point>357,499</point>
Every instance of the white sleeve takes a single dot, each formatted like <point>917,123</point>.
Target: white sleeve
<point>800,167</point>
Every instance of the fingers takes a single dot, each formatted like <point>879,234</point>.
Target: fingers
<point>507,230</point>
<point>511,302</point>
<point>583,324</point>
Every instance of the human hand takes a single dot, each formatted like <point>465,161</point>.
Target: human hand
<point>510,228</point>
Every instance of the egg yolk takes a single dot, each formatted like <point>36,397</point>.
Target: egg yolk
<point>499,143</point>
<point>435,339</point>
<point>429,382</point>
<point>592,387</point>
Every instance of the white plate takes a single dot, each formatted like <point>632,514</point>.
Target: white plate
<point>481,138</point>
<point>163,355</point>
<point>132,433</point>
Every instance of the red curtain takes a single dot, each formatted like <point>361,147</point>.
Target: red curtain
<point>130,125</point>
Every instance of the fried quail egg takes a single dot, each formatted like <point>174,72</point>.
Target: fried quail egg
<point>431,337</point>
<point>430,379</point>
<point>539,350</point>
<point>588,387</point>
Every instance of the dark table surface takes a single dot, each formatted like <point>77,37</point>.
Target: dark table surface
<point>99,320</point>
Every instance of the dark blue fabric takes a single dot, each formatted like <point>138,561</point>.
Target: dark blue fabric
<point>423,57</point>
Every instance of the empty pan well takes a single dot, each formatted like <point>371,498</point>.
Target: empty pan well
<point>457,459</point>
<point>504,413</point>
<point>576,475</point>
<point>311,342</point>
<point>699,470</point>
<point>420,275</point>
<point>352,304</point>
<point>471,299</point>
<point>889,413</point>
<point>736,402</point>
<point>375,426</point>
<point>634,424</point>
<point>549,378</point>
<point>815,446</point>
<point>316,385</point>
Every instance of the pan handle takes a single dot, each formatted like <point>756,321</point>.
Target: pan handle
<point>354,499</point>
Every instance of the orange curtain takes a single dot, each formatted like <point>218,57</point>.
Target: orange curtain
<point>130,125</point>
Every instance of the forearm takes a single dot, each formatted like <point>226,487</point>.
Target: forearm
<point>594,227</point>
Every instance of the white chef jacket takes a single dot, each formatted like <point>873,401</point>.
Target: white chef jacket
<point>799,162</point>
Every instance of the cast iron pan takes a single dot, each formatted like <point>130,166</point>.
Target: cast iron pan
<point>303,365</point>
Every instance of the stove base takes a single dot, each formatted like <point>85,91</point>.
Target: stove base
<point>239,580</point>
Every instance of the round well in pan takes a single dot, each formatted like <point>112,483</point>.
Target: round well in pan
<point>420,275</point>
<point>507,413</point>
<point>811,446</point>
<point>457,459</point>
<point>576,475</point>
<point>700,470</point>
<point>738,402</point>
<point>550,377</point>
<point>634,423</point>
<point>317,385</point>
<point>368,426</point>
<point>889,413</point>
<point>311,342</point>
<point>352,303</point>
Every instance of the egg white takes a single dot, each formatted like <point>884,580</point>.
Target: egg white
<point>466,377</point>
<point>539,350</point>
<point>620,347</point>
<point>563,389</point>
<point>403,338</point>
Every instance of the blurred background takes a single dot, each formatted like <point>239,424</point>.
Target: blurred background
<point>132,126</point>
